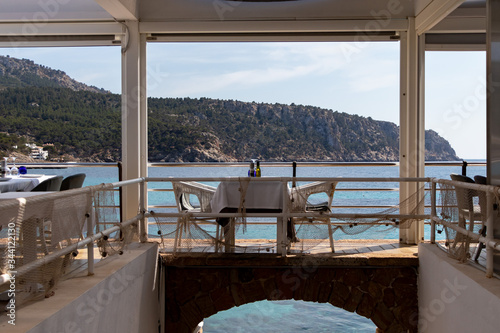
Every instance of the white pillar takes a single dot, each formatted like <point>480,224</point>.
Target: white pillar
<point>143,146</point>
<point>493,110</point>
<point>134,115</point>
<point>412,126</point>
<point>144,110</point>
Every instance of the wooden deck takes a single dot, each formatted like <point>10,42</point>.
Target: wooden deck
<point>344,249</point>
<point>373,247</point>
<point>368,246</point>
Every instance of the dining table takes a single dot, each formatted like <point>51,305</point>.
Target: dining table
<point>22,183</point>
<point>259,197</point>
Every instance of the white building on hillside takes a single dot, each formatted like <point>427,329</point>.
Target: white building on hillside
<point>38,153</point>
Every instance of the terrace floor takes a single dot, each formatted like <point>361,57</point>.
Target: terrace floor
<point>352,252</point>
<point>372,247</point>
<point>378,248</point>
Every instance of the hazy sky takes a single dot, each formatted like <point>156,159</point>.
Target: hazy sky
<point>356,78</point>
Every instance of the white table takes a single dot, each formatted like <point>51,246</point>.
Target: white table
<point>260,197</point>
<point>22,183</point>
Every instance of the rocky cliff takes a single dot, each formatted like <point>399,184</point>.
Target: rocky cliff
<point>217,130</point>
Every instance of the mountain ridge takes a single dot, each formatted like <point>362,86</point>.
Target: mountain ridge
<point>83,123</point>
<point>284,133</point>
<point>24,72</point>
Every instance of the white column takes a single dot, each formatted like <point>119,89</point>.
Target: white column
<point>144,109</point>
<point>143,148</point>
<point>134,115</point>
<point>412,126</point>
<point>493,111</point>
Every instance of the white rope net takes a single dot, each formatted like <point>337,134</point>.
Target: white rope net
<point>190,233</point>
<point>198,234</point>
<point>464,208</point>
<point>312,231</point>
<point>33,229</point>
<point>107,214</point>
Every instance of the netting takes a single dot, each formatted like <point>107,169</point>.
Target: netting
<point>464,208</point>
<point>34,228</point>
<point>189,233</point>
<point>107,214</point>
<point>313,229</point>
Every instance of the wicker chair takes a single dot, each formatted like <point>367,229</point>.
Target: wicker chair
<point>204,194</point>
<point>300,204</point>
<point>52,185</point>
<point>73,181</point>
<point>467,211</point>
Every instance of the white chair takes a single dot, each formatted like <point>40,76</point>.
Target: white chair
<point>300,204</point>
<point>204,194</point>
<point>467,210</point>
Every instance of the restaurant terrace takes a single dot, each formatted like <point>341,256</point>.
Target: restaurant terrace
<point>196,265</point>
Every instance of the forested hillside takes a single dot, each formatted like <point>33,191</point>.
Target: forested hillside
<point>85,125</point>
<point>80,122</point>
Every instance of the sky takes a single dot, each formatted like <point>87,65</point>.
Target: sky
<point>356,78</point>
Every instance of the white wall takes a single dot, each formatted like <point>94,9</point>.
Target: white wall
<point>455,297</point>
<point>122,296</point>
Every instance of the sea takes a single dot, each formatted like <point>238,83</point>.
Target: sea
<point>288,315</point>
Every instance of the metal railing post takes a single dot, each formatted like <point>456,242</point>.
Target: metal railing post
<point>284,220</point>
<point>433,211</point>
<point>120,191</point>
<point>90,232</point>
<point>143,227</point>
<point>489,233</point>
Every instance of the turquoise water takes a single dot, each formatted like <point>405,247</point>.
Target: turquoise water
<point>282,316</point>
<point>287,316</point>
<point>110,174</point>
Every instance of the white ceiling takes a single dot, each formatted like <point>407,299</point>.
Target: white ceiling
<point>47,11</point>
<point>221,16</point>
<point>160,10</point>
<point>182,10</point>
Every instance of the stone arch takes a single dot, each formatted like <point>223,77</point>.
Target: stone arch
<point>387,296</point>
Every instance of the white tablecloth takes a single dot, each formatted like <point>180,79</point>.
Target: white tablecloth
<point>259,195</point>
<point>21,183</point>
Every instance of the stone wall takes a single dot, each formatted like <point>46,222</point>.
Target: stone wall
<point>386,295</point>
